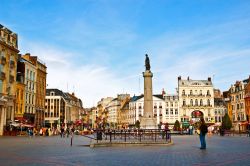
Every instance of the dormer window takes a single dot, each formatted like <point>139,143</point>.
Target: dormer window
<point>52,93</point>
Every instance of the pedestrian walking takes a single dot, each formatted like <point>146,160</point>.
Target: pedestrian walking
<point>62,132</point>
<point>41,132</point>
<point>203,131</point>
<point>67,132</point>
<point>190,130</point>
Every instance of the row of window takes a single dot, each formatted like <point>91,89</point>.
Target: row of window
<point>30,98</point>
<point>239,117</point>
<point>172,104</point>
<point>29,109</point>
<point>218,119</point>
<point>219,112</point>
<point>195,92</point>
<point>238,106</point>
<point>237,97</point>
<point>51,114</point>
<point>30,85</point>
<point>30,74</point>
<point>196,103</point>
<point>171,111</point>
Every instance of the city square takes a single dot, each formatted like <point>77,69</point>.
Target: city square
<point>110,83</point>
<point>228,150</point>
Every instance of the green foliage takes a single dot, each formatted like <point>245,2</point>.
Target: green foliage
<point>226,122</point>
<point>137,124</point>
<point>177,125</point>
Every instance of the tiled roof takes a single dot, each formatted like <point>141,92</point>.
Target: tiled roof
<point>218,102</point>
<point>159,96</point>
<point>135,98</point>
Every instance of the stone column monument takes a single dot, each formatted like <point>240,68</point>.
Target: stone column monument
<point>147,120</point>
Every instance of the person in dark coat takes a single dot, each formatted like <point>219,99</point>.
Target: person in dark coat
<point>203,131</point>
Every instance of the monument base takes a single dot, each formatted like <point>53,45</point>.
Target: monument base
<point>148,123</point>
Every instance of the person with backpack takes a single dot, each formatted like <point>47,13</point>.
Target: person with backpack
<point>203,131</point>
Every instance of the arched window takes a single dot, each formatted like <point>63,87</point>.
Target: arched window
<point>208,92</point>
<point>183,92</point>
<point>201,102</point>
<point>191,102</point>
<point>196,102</point>
<point>208,102</point>
<point>184,102</point>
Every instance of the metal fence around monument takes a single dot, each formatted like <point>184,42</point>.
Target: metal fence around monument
<point>133,135</point>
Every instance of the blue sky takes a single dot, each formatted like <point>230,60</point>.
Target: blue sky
<point>97,48</point>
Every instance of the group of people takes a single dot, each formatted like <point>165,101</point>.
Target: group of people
<point>66,131</point>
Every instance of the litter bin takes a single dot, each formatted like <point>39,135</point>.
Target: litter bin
<point>99,135</point>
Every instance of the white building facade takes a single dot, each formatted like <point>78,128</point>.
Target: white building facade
<point>196,99</point>
<point>220,110</point>
<point>113,108</point>
<point>136,108</point>
<point>30,88</point>
<point>171,113</point>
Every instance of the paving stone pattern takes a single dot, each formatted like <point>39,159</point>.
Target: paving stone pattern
<point>23,151</point>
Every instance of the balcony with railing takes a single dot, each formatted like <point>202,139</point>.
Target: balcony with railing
<point>196,106</point>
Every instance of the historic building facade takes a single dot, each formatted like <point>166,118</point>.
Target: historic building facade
<point>220,110</point>
<point>136,109</point>
<point>196,98</point>
<point>102,112</point>
<point>237,96</point>
<point>41,75</point>
<point>172,112</point>
<point>113,108</point>
<point>247,100</point>
<point>20,95</point>
<point>75,108</point>
<point>220,106</point>
<point>8,65</point>
<point>30,89</point>
<point>124,112</point>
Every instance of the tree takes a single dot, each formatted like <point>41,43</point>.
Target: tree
<point>177,125</point>
<point>137,124</point>
<point>226,122</point>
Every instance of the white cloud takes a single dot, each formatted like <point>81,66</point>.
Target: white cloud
<point>90,82</point>
<point>198,54</point>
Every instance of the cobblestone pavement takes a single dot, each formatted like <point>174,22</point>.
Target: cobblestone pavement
<point>233,150</point>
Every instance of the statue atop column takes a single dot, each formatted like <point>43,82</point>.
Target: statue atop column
<point>147,62</point>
